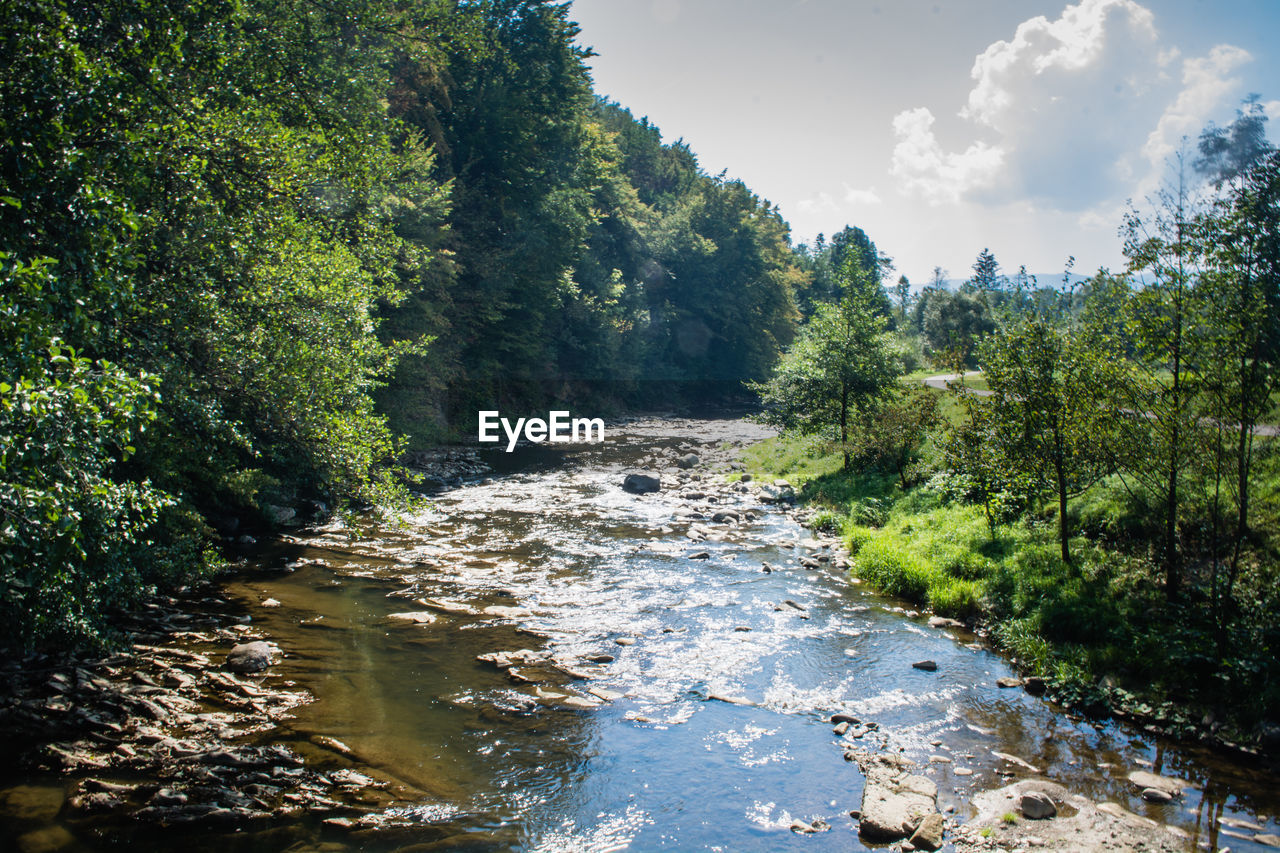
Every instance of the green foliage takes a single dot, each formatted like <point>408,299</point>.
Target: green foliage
<point>826,263</point>
<point>825,521</point>
<point>73,539</point>
<point>841,368</point>
<point>895,569</point>
<point>1042,421</point>
<point>855,536</point>
<point>1103,616</point>
<point>953,324</point>
<point>195,258</point>
<point>893,433</point>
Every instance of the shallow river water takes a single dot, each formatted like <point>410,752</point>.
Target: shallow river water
<point>703,721</point>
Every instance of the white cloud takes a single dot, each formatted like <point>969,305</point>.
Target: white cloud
<point>1205,87</point>
<point>927,170</point>
<point>820,203</point>
<point>1049,57</point>
<point>861,197</point>
<point>1071,113</point>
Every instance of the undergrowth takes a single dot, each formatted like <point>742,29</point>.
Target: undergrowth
<point>1099,629</point>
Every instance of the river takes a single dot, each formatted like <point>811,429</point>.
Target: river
<point>663,702</point>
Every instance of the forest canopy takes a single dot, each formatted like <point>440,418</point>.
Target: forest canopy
<point>246,247</point>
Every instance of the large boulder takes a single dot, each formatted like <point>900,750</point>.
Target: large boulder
<point>894,802</point>
<point>250,657</point>
<point>780,492</point>
<point>641,482</point>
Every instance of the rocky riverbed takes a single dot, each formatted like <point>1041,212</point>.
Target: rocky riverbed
<point>624,646</point>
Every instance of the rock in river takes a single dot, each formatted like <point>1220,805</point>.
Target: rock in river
<point>642,482</point>
<point>928,835</point>
<point>1036,805</point>
<point>777,493</point>
<point>894,802</point>
<point>689,460</point>
<point>926,665</point>
<point>1142,780</point>
<point>250,657</point>
<point>418,617</point>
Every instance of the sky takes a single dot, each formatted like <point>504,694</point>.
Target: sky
<point>942,127</point>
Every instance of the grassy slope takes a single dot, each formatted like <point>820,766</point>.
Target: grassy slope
<point>1099,630</point>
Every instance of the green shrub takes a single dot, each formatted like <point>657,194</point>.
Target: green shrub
<point>1021,637</point>
<point>869,511</point>
<point>895,570</point>
<point>826,521</point>
<point>855,536</point>
<point>956,598</point>
<point>970,566</point>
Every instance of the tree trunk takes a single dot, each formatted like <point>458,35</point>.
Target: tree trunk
<point>1244,452</point>
<point>1172,563</point>
<point>1172,569</point>
<point>844,424</point>
<point>1060,470</point>
<point>1063,532</point>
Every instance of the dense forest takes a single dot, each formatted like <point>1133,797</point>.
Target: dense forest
<point>249,248</point>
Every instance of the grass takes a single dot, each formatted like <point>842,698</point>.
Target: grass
<point>1098,629</point>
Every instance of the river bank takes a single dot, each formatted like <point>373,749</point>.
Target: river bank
<point>544,661</point>
<point>1100,633</point>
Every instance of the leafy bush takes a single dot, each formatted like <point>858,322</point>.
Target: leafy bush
<point>74,538</point>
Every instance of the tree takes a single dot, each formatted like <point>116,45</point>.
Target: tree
<point>1045,383</point>
<point>1159,434</point>
<point>829,261</point>
<point>892,433</point>
<point>202,231</point>
<point>1229,152</point>
<point>986,280</point>
<point>955,323</point>
<point>1239,336</point>
<point>973,450</point>
<point>902,290</point>
<point>841,367</point>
